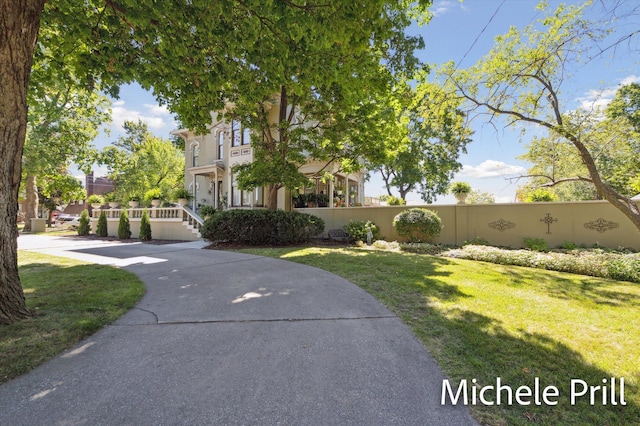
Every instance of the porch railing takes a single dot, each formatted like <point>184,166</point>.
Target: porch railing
<point>184,214</point>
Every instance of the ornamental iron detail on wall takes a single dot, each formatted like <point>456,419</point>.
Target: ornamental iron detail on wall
<point>502,225</point>
<point>548,220</point>
<point>601,225</point>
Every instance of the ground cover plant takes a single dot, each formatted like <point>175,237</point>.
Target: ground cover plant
<point>484,321</point>
<point>70,300</point>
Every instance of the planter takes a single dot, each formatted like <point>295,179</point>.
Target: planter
<point>183,201</point>
<point>96,206</point>
<point>156,202</point>
<point>462,197</point>
<point>114,204</point>
<point>134,204</point>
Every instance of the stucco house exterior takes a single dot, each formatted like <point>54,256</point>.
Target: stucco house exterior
<point>209,162</point>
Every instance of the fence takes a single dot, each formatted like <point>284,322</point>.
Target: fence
<point>588,222</point>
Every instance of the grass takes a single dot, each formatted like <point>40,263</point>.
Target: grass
<point>484,321</point>
<point>70,300</point>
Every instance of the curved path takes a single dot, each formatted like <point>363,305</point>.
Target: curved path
<point>227,338</point>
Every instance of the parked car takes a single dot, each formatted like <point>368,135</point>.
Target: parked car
<point>67,221</point>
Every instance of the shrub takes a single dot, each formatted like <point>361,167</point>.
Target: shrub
<point>207,211</point>
<point>83,227</point>
<point>101,230</point>
<point>540,195</point>
<point>417,225</point>
<point>536,244</point>
<point>477,241</point>
<point>261,227</point>
<point>568,245</point>
<point>124,228</point>
<point>145,227</point>
<point>357,230</point>
<point>625,268</point>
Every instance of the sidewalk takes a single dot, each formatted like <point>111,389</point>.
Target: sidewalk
<point>227,338</point>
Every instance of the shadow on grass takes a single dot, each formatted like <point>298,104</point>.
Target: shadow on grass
<point>469,345</point>
<point>576,287</point>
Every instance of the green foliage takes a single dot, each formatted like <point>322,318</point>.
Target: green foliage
<point>101,229</point>
<point>568,245</point>
<point>153,194</point>
<point>95,199</point>
<point>124,228</point>
<point>84,227</point>
<point>417,225</point>
<point>357,230</point>
<point>536,244</point>
<point>459,188</point>
<point>424,133</point>
<point>145,227</point>
<point>479,197</point>
<point>395,201</point>
<point>182,193</point>
<point>261,227</point>
<point>477,241</point>
<point>625,268</point>
<point>140,162</point>
<point>540,195</point>
<point>207,211</point>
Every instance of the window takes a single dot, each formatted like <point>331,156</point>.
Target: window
<point>195,153</point>
<point>220,144</point>
<point>236,135</point>
<point>239,198</point>
<point>246,136</point>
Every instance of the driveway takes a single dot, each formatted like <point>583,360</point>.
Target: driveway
<point>223,338</point>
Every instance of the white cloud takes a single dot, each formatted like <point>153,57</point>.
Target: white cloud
<point>490,169</point>
<point>157,117</point>
<point>599,99</point>
<point>441,7</point>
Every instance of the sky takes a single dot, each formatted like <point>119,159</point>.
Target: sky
<point>462,32</point>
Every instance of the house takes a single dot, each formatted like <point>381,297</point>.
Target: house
<point>209,162</point>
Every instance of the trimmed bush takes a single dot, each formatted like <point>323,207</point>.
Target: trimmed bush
<point>261,227</point>
<point>536,244</point>
<point>357,230</point>
<point>145,227</point>
<point>83,227</point>
<point>418,225</point>
<point>124,228</point>
<point>101,229</point>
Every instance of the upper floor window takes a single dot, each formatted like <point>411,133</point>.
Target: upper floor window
<point>220,145</point>
<point>246,136</point>
<point>195,153</point>
<point>236,134</point>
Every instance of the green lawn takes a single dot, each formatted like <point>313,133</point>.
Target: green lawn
<point>484,321</point>
<point>70,300</point>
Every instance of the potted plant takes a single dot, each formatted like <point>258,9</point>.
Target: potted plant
<point>134,201</point>
<point>322,199</point>
<point>460,190</point>
<point>153,195</point>
<point>311,200</point>
<point>96,201</point>
<point>299,200</point>
<point>110,198</point>
<point>182,195</point>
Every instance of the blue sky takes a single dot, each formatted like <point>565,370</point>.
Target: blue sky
<point>458,30</point>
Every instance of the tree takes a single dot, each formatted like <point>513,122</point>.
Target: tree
<point>59,190</point>
<point>612,140</point>
<point>139,162</point>
<point>521,78</point>
<point>480,197</point>
<point>101,229</point>
<point>424,133</point>
<point>145,227</point>
<point>84,227</point>
<point>194,54</point>
<point>124,227</point>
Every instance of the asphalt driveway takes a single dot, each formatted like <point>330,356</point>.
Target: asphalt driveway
<point>226,338</point>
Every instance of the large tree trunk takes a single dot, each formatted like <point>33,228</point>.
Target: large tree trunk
<point>31,202</point>
<point>19,24</point>
<point>272,196</point>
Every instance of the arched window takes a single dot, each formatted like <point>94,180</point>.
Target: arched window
<point>195,153</point>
